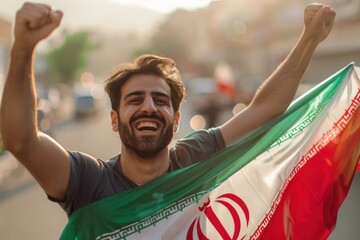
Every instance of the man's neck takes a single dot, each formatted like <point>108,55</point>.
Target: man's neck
<point>140,170</point>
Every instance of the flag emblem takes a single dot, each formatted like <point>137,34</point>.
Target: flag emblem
<point>232,203</point>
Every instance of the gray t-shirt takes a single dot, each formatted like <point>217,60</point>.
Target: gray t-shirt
<point>94,179</point>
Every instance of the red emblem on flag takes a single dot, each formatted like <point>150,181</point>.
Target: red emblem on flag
<point>232,203</point>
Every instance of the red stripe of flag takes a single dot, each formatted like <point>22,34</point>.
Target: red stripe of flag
<point>309,205</point>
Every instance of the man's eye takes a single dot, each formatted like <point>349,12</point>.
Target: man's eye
<point>135,101</point>
<point>161,102</point>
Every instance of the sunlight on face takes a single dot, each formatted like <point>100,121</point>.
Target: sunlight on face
<point>167,6</point>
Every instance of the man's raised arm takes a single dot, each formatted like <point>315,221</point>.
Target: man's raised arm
<point>42,156</point>
<point>276,93</point>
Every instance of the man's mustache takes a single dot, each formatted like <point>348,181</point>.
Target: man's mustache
<point>156,116</point>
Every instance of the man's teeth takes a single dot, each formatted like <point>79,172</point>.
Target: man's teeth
<point>146,126</point>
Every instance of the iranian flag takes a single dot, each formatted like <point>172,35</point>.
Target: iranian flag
<point>224,80</point>
<point>286,180</point>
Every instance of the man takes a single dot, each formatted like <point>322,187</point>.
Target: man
<point>145,98</point>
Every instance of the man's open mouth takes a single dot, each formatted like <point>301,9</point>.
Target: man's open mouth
<point>147,126</point>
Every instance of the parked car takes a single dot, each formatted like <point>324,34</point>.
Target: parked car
<point>87,105</point>
<point>84,105</point>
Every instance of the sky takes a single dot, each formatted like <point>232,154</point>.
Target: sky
<point>111,15</point>
<point>166,6</point>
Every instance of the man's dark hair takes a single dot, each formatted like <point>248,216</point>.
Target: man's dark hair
<point>151,65</point>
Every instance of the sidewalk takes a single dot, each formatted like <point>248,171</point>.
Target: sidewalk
<point>10,169</point>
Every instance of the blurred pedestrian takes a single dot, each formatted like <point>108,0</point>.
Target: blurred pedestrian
<point>214,106</point>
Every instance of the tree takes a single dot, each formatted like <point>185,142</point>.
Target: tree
<point>71,57</point>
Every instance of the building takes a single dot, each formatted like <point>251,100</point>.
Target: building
<point>256,43</point>
<point>341,47</point>
<point>254,37</point>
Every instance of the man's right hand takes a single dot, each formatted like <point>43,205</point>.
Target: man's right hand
<point>34,22</point>
<point>319,21</point>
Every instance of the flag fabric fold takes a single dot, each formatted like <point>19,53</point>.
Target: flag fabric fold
<point>286,180</point>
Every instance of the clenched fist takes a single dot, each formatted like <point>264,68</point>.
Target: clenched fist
<point>319,20</point>
<point>34,22</point>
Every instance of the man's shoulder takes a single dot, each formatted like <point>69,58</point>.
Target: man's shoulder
<point>212,134</point>
<point>84,159</point>
<point>196,147</point>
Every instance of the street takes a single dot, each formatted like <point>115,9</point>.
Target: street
<point>25,212</point>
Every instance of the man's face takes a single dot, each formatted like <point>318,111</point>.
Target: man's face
<point>146,119</point>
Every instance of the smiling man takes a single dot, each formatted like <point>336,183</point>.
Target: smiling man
<point>145,97</point>
<point>145,120</point>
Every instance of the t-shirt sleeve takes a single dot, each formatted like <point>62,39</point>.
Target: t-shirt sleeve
<point>197,146</point>
<point>85,172</point>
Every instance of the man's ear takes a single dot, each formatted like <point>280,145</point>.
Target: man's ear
<point>177,116</point>
<point>114,120</point>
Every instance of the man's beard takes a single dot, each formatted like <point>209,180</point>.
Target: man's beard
<point>145,147</point>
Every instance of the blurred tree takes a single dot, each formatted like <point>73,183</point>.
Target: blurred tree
<point>71,57</point>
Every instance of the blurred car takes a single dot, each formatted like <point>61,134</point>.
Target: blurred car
<point>84,105</point>
<point>89,99</point>
<point>87,105</point>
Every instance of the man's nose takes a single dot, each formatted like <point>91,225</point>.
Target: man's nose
<point>148,105</point>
